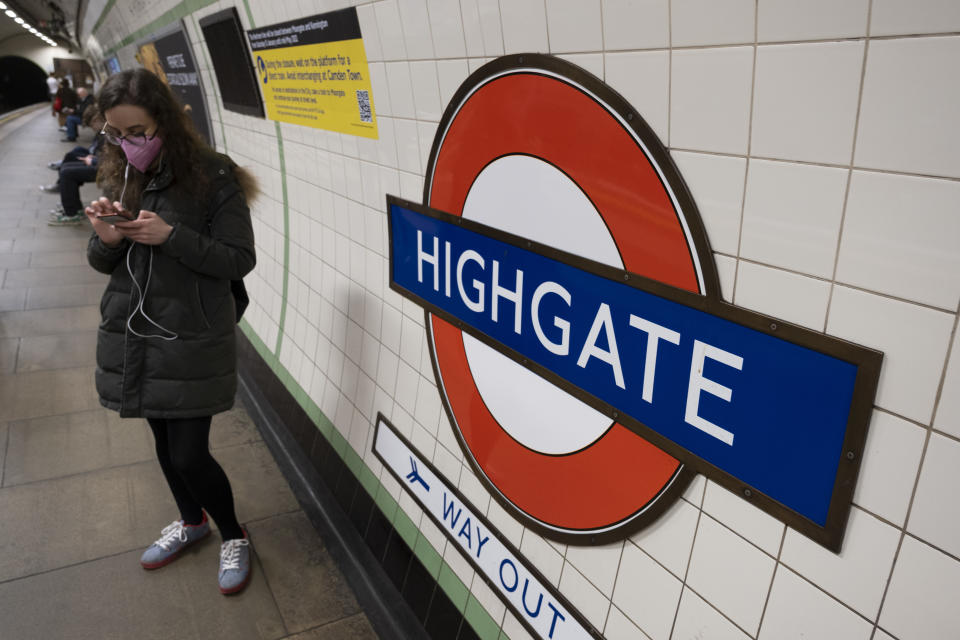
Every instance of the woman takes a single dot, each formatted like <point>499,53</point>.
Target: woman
<point>166,344</point>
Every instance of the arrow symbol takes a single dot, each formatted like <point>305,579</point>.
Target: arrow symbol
<point>414,475</point>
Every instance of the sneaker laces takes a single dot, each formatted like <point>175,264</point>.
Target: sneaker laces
<point>173,531</point>
<point>230,553</point>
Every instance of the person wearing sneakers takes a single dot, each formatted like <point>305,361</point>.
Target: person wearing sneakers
<point>173,234</point>
<point>74,171</point>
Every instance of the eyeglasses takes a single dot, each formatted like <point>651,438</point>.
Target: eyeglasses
<point>136,139</point>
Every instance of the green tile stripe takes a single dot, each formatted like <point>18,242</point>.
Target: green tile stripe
<point>250,20</point>
<point>431,558</point>
<point>286,238</point>
<point>103,15</point>
<point>185,8</point>
<point>484,625</point>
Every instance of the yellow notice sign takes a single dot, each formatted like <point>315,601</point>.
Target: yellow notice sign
<point>313,71</point>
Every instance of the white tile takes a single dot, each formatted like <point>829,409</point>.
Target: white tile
<point>426,131</point>
<point>636,24</point>
<point>750,522</point>
<point>780,20</point>
<point>544,557</point>
<point>426,90</point>
<point>491,27</point>
<point>669,538</point>
<point>524,26</point>
<point>922,600</point>
<point>472,30</point>
<point>647,593</point>
<point>904,17</point>
<point>697,619</point>
<point>490,601</point>
<point>598,564</point>
<point>799,610</point>
<point>913,256</point>
<point>727,273</point>
<point>694,493</point>
<point>948,412</point>
<point>730,573</point>
<point>913,340</point>
<point>401,90</point>
<point>805,101</point>
<point>643,78</point>
<point>716,183</point>
<point>391,34</point>
<point>451,74</point>
<point>590,62</point>
<point>584,596</point>
<point>446,25</point>
<point>408,149</point>
<point>889,467</point>
<point>370,33</point>
<point>791,215</point>
<point>909,107</point>
<point>620,627</point>
<point>574,25</point>
<point>416,29</point>
<point>856,575</point>
<point>720,78</point>
<point>882,635</point>
<point>784,295</point>
<point>710,22</point>
<point>935,516</point>
<point>512,629</point>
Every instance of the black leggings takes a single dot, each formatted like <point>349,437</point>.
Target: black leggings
<point>195,478</point>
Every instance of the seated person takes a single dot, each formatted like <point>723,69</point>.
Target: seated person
<point>75,114</point>
<point>73,174</point>
<point>77,153</point>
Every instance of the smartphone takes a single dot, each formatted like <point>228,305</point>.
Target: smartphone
<point>121,215</point>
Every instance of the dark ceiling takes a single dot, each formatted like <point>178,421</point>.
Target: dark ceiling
<point>55,18</point>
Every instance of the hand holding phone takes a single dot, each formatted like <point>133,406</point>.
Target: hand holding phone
<point>118,214</point>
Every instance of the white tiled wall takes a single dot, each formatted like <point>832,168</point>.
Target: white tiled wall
<point>820,141</point>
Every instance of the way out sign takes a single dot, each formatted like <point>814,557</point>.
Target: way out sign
<point>585,357</point>
<point>543,611</point>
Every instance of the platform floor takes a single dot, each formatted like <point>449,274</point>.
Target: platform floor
<point>81,494</point>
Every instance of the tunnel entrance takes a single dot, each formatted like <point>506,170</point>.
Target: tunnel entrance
<point>22,82</point>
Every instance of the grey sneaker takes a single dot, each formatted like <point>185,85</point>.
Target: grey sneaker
<point>63,220</point>
<point>174,538</point>
<point>50,188</point>
<point>234,565</point>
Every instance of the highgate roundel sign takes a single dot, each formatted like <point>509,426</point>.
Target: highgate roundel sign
<point>583,353</point>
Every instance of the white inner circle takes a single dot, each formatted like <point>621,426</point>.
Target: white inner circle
<point>533,199</point>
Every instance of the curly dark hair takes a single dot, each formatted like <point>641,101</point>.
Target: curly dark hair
<point>182,145</point>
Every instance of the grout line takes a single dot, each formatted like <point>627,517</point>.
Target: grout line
<point>943,378</point>
<point>903,531</point>
<point>6,449</point>
<point>776,567</point>
<point>67,566</point>
<point>746,169</point>
<point>693,544</point>
<point>850,168</point>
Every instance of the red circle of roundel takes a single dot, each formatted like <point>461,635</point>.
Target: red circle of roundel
<point>620,476</point>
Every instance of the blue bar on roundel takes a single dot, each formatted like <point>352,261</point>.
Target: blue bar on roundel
<point>771,413</point>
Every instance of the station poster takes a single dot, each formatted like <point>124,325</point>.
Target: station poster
<point>313,72</point>
<point>169,57</point>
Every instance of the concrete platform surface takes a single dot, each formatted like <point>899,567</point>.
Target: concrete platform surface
<point>81,494</point>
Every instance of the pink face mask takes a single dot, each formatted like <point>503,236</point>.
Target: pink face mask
<point>142,156</point>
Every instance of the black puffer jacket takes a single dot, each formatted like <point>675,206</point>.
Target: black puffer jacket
<point>188,293</point>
